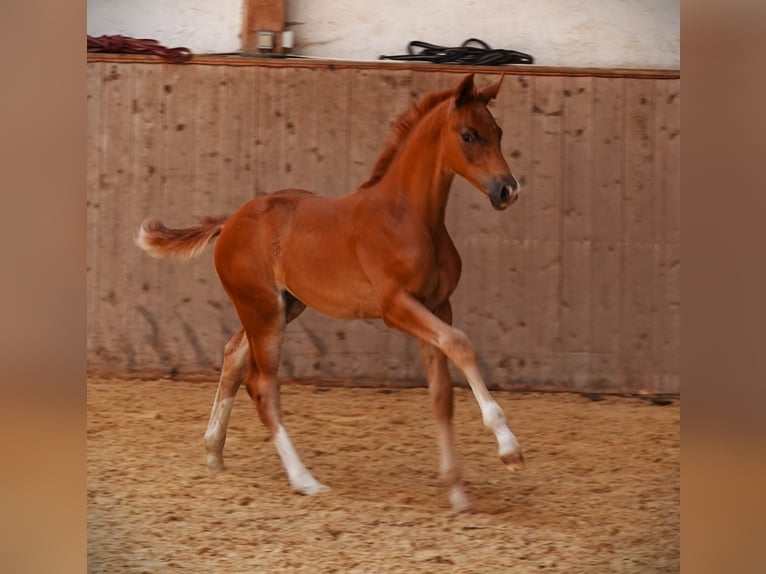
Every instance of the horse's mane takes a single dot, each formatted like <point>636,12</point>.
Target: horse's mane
<point>401,129</point>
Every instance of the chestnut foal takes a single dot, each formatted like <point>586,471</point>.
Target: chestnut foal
<point>382,251</point>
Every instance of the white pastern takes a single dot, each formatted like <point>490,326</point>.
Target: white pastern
<point>299,476</point>
<point>494,419</point>
<point>459,500</point>
<point>215,435</point>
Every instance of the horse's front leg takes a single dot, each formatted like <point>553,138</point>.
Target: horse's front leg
<point>440,389</point>
<point>407,314</point>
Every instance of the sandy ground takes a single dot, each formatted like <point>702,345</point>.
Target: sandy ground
<point>600,493</point>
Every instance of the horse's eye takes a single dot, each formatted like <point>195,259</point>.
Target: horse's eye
<point>467,137</point>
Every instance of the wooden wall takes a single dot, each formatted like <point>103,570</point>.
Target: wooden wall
<point>575,287</point>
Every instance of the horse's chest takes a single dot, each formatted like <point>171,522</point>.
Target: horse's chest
<point>437,276</point>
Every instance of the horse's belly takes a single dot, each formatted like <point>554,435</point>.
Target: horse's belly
<point>329,286</point>
<point>338,301</point>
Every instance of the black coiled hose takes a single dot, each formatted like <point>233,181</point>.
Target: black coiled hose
<point>466,53</point>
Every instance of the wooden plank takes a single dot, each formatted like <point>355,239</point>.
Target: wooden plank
<point>640,233</point>
<point>204,338</point>
<point>332,132</point>
<point>668,158</point>
<point>578,159</point>
<point>301,161</point>
<point>93,275</point>
<point>547,138</point>
<point>608,160</point>
<point>543,267</point>
<point>144,287</point>
<point>574,294</point>
<point>238,133</point>
<point>668,338</point>
<point>544,253</point>
<point>575,216</point>
<point>668,213</point>
<point>639,193</point>
<point>509,318</point>
<point>270,142</point>
<point>208,160</point>
<point>605,285</point>
<point>365,133</point>
<point>115,232</point>
<point>179,143</point>
<point>180,95</point>
<point>639,301</point>
<point>605,293</point>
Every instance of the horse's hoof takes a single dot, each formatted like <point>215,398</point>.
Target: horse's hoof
<point>309,490</point>
<point>460,503</point>
<point>215,465</point>
<point>514,460</point>
<point>309,487</point>
<point>464,508</point>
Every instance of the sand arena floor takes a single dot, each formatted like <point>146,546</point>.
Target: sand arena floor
<point>600,493</point>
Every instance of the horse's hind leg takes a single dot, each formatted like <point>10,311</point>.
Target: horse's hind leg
<point>233,370</point>
<point>232,374</point>
<point>265,323</point>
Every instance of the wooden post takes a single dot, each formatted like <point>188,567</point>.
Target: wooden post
<point>263,16</point>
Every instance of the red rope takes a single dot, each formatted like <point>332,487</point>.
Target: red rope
<point>127,45</point>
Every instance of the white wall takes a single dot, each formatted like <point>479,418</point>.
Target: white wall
<point>600,33</point>
<point>203,26</point>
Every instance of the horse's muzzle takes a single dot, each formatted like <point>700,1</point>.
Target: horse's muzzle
<point>504,193</point>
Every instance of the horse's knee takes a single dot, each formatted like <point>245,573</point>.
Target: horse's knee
<point>458,348</point>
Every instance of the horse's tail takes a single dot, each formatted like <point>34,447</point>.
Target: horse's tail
<point>159,241</point>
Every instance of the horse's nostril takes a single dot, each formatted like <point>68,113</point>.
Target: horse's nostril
<point>505,195</point>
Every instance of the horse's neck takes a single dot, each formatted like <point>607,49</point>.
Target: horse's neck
<point>419,174</point>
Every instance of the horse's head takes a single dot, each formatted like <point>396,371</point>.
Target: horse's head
<point>471,140</point>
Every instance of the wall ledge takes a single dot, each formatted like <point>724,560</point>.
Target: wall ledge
<point>301,62</point>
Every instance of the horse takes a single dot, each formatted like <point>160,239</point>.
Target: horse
<point>379,252</point>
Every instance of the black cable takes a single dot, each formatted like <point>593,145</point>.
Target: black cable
<point>463,54</point>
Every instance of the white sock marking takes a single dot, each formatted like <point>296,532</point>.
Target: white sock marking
<point>494,419</point>
<point>299,476</point>
<point>215,435</point>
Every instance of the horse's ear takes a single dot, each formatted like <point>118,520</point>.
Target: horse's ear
<point>465,92</point>
<point>490,92</point>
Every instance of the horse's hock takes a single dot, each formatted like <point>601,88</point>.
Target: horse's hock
<point>577,287</point>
